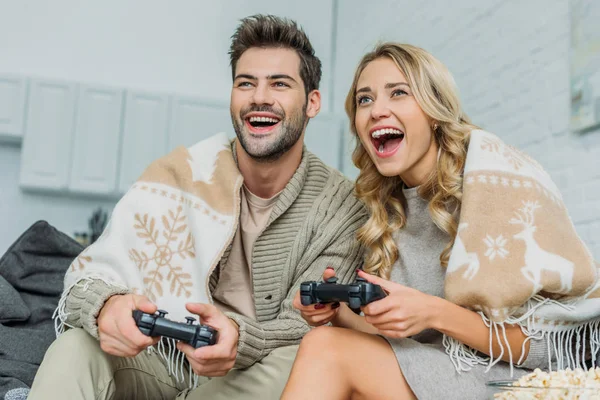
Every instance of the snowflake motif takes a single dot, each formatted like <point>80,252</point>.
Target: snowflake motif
<point>490,145</point>
<point>470,180</point>
<point>513,158</point>
<point>482,178</point>
<point>81,261</point>
<point>495,247</point>
<point>505,182</point>
<point>516,184</point>
<point>169,245</point>
<point>494,180</point>
<point>527,184</point>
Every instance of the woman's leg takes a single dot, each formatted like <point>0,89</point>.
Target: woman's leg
<point>338,363</point>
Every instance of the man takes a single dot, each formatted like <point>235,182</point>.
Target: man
<point>297,217</point>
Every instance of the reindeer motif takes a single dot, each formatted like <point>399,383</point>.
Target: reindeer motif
<point>536,258</point>
<point>460,257</point>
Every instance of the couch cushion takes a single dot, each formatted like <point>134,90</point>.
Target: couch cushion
<point>31,282</point>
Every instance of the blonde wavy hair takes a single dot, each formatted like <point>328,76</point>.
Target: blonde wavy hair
<point>435,92</point>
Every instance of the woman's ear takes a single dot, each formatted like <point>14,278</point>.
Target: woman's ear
<point>313,105</point>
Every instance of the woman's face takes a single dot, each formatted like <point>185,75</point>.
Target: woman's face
<point>393,129</point>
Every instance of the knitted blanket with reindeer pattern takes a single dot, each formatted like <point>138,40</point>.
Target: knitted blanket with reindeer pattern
<point>517,258</point>
<point>169,231</point>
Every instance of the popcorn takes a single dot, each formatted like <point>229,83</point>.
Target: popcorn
<point>557,385</point>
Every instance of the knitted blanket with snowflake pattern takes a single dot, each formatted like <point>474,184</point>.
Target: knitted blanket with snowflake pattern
<point>169,231</point>
<point>517,258</point>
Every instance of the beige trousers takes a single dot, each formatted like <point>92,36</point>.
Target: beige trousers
<point>75,367</point>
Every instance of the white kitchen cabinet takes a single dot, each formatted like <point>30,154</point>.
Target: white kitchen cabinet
<point>96,142</point>
<point>47,142</point>
<point>13,95</point>
<point>144,134</point>
<point>193,120</point>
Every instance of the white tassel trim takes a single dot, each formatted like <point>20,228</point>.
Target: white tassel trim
<point>570,346</point>
<point>167,349</point>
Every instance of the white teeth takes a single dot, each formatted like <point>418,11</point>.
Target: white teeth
<point>386,131</point>
<point>381,148</point>
<point>263,119</point>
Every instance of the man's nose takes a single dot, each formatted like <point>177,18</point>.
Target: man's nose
<point>262,95</point>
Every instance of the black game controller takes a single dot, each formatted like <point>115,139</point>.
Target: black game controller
<point>187,332</point>
<point>357,294</point>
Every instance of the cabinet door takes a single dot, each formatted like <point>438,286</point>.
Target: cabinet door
<point>47,143</point>
<point>193,120</point>
<point>323,138</point>
<point>13,94</point>
<point>97,140</point>
<point>144,135</point>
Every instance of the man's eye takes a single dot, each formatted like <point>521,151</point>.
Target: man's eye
<point>244,84</point>
<point>281,84</point>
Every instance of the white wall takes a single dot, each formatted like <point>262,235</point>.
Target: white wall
<point>172,47</point>
<point>511,62</point>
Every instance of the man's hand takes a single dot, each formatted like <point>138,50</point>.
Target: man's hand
<point>318,314</point>
<point>218,359</point>
<point>118,332</point>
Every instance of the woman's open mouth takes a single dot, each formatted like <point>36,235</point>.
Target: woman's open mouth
<point>261,124</point>
<point>386,141</point>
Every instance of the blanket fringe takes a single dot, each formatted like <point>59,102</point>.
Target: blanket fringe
<point>571,346</point>
<point>166,348</point>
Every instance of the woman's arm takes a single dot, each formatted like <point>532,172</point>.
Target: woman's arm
<point>467,327</point>
<point>407,311</point>
<point>346,318</point>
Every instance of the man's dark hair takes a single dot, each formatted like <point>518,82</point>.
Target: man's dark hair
<point>271,31</point>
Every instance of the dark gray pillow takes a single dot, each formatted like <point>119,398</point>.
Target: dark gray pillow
<point>31,282</point>
<point>12,307</point>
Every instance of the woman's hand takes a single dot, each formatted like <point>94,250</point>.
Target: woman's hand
<point>318,314</point>
<point>403,313</point>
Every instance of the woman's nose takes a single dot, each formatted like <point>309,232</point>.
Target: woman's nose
<point>380,109</point>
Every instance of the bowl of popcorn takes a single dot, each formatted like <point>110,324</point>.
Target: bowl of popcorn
<point>564,384</point>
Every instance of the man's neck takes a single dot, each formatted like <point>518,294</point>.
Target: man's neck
<point>266,179</point>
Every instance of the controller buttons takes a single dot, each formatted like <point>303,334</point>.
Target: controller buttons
<point>190,320</point>
<point>162,313</point>
<point>333,279</point>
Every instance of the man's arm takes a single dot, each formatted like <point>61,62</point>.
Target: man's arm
<point>256,339</point>
<point>84,302</point>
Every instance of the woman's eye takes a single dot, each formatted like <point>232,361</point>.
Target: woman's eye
<point>399,92</point>
<point>363,100</point>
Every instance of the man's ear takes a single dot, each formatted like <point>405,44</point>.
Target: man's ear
<point>313,103</point>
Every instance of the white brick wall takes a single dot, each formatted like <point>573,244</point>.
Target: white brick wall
<point>511,63</point>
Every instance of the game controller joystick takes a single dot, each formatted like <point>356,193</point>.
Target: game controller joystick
<point>195,335</point>
<point>357,294</point>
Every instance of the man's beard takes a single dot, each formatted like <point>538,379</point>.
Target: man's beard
<point>270,149</point>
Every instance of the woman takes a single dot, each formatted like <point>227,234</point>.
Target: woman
<point>430,252</point>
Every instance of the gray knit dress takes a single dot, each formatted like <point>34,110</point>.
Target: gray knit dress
<point>422,358</point>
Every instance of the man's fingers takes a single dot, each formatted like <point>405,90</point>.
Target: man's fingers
<point>204,311</point>
<point>216,352</point>
<point>142,303</point>
<point>132,334</point>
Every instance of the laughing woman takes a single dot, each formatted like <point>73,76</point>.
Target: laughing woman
<point>470,239</point>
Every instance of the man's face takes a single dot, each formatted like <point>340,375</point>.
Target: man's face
<point>268,102</point>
